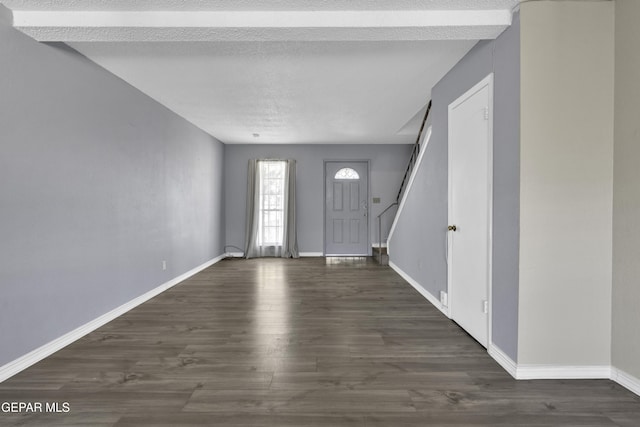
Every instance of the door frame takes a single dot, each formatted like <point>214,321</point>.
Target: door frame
<point>324,201</point>
<point>485,82</point>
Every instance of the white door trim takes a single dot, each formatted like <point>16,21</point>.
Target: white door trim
<point>486,82</point>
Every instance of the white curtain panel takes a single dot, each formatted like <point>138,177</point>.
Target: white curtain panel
<point>289,246</point>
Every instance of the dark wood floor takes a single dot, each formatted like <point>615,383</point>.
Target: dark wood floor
<point>300,343</point>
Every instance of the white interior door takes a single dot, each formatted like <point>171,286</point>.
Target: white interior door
<point>346,208</point>
<point>470,198</point>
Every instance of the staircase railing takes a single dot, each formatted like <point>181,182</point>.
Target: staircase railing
<point>405,179</point>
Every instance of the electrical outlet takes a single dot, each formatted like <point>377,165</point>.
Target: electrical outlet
<point>444,298</point>
<point>164,265</point>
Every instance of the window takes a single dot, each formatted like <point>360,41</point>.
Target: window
<point>346,173</point>
<point>271,209</point>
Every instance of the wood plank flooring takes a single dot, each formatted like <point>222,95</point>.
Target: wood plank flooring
<point>308,342</point>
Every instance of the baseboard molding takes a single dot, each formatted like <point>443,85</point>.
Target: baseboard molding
<point>626,380</point>
<point>302,254</point>
<point>553,372</point>
<point>377,245</point>
<point>503,360</point>
<point>23,362</point>
<point>433,300</point>
<point>548,372</point>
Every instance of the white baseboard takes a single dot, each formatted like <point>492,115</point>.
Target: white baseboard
<point>626,380</point>
<point>548,372</point>
<point>311,254</point>
<point>377,245</point>
<point>554,372</point>
<point>302,254</point>
<point>503,360</point>
<point>23,362</point>
<point>433,300</point>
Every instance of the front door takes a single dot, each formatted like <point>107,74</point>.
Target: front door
<point>470,148</point>
<point>346,208</point>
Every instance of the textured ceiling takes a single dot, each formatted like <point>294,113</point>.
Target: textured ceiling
<point>289,71</point>
<point>290,92</point>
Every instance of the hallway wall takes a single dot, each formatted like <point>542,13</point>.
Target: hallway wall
<point>418,246</point>
<point>98,185</point>
<point>626,195</point>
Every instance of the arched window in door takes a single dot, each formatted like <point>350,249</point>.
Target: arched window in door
<point>346,173</point>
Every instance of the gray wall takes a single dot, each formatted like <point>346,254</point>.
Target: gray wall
<point>626,191</point>
<point>506,191</point>
<point>387,166</point>
<point>98,185</point>
<point>419,241</point>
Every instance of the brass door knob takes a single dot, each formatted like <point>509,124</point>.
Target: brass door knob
<point>452,228</point>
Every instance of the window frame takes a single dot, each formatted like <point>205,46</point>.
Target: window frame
<point>271,200</point>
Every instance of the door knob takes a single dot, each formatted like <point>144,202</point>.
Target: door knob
<point>452,228</point>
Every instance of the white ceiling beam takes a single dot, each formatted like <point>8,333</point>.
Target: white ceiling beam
<point>368,25</point>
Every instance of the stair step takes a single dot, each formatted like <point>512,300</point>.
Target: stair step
<point>376,250</point>
<point>380,255</point>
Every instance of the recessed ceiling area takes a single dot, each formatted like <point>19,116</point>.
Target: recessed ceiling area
<point>290,71</point>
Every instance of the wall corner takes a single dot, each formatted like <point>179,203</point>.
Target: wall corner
<point>6,16</point>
